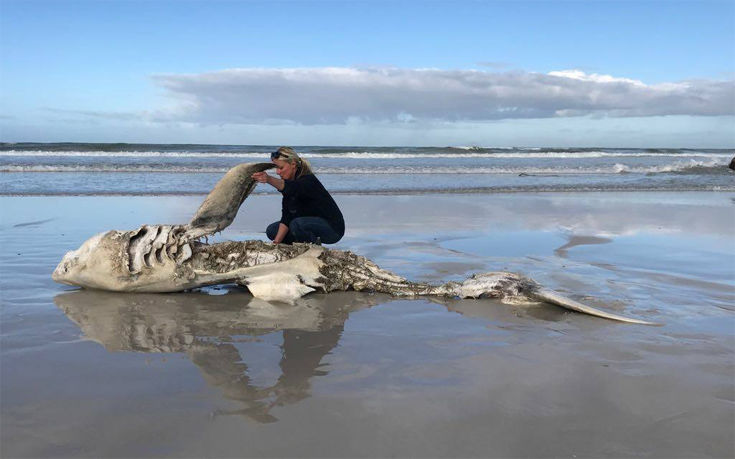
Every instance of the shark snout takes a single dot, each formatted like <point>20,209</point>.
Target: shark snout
<point>61,273</point>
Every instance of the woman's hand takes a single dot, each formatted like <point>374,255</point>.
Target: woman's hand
<point>261,177</point>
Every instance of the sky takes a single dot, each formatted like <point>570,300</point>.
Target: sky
<point>421,73</point>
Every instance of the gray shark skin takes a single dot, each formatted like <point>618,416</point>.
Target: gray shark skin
<point>171,258</point>
<point>221,205</point>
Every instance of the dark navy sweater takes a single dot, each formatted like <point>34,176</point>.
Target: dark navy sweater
<point>306,197</point>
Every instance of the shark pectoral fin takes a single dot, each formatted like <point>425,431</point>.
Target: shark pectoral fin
<point>553,297</point>
<point>222,203</point>
<point>276,286</point>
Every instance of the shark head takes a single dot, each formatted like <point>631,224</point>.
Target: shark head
<point>138,260</point>
<point>92,264</point>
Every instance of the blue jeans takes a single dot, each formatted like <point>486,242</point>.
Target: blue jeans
<point>305,229</point>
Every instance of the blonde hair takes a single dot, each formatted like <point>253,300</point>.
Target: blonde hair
<point>290,156</point>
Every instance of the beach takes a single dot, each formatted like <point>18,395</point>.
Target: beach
<point>217,373</point>
<point>538,202</point>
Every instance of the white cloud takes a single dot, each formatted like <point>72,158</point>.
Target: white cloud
<point>335,95</point>
<point>595,77</point>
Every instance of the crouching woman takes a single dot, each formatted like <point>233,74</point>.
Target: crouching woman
<point>308,212</point>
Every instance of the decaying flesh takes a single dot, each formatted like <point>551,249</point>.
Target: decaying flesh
<point>171,258</point>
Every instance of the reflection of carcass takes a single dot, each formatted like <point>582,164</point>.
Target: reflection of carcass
<point>204,327</point>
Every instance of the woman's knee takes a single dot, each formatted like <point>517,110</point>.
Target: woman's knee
<point>312,229</point>
<point>299,230</point>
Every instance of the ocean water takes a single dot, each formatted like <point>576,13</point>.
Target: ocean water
<point>164,169</point>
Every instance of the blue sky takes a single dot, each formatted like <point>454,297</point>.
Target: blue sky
<point>544,73</point>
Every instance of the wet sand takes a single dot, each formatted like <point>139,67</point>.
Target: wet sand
<point>217,373</point>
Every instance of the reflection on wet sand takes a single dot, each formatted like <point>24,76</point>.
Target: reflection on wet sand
<point>203,326</point>
<point>575,240</point>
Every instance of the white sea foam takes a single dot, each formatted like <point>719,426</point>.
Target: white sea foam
<point>521,155</point>
<point>560,169</point>
<point>676,166</point>
<point>476,147</point>
<point>131,154</point>
<point>110,168</point>
<point>617,168</point>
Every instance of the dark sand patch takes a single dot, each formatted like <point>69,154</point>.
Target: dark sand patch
<point>38,222</point>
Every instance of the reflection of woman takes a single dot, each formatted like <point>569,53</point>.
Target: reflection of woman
<point>308,212</point>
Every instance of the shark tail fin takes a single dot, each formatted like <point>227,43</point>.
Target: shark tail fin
<point>550,296</point>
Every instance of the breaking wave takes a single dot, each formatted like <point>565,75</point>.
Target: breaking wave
<point>129,154</point>
<point>700,167</point>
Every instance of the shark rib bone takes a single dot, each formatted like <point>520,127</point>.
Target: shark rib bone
<point>157,246</point>
<point>140,246</point>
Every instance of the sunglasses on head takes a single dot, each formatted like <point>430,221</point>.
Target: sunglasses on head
<point>275,155</point>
